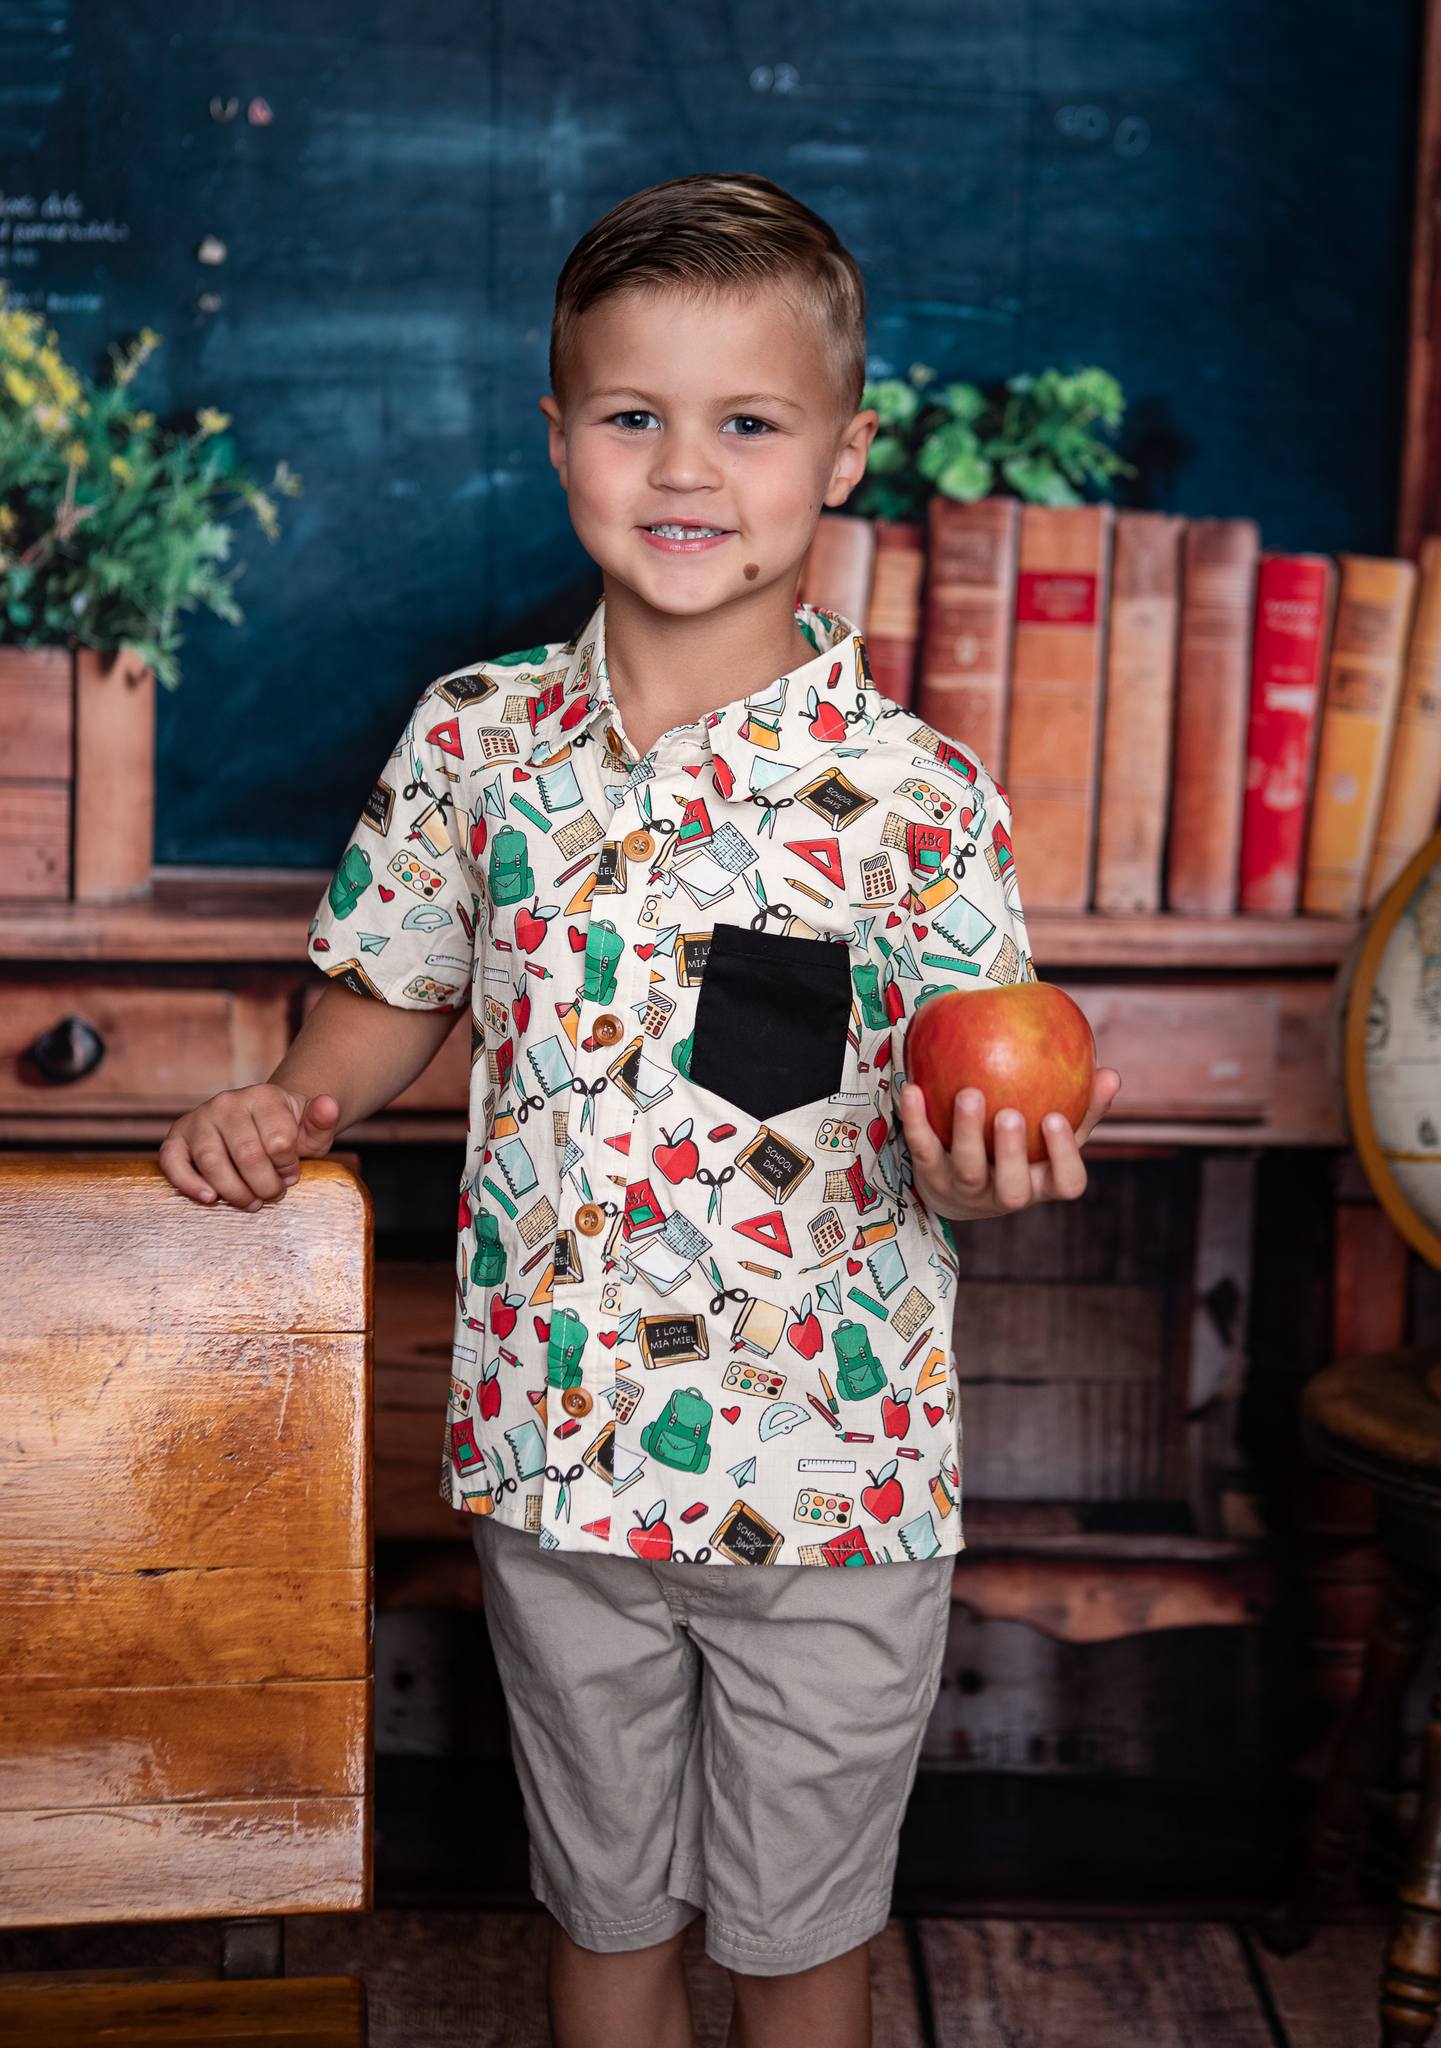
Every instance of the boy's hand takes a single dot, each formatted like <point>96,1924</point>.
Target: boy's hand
<point>245,1144</point>
<point>964,1185</point>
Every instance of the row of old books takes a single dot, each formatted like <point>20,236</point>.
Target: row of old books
<point>1180,718</point>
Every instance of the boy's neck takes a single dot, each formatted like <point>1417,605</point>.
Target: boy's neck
<point>666,671</point>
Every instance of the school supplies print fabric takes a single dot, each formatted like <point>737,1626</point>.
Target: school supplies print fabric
<point>700,1312</point>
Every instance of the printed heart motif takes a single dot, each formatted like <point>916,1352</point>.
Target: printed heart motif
<point>577,939</point>
<point>542,1329</point>
<point>321,945</point>
<point>853,1266</point>
<point>933,1414</point>
<point>386,895</point>
<point>608,1338</point>
<point>921,930</point>
<point>731,1414</point>
<point>893,920</point>
<point>644,952</point>
<point>519,775</point>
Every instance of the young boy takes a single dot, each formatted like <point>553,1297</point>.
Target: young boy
<point>692,875</point>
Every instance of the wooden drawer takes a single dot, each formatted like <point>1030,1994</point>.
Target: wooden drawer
<point>1187,1053</point>
<point>155,1046</point>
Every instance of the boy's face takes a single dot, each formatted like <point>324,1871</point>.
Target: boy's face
<point>653,432</point>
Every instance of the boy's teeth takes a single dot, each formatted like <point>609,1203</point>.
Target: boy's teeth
<point>684,532</point>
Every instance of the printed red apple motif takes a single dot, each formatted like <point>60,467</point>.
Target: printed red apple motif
<point>464,1218</point>
<point>530,924</point>
<point>884,1497</point>
<point>679,1157</point>
<point>896,1411</point>
<point>877,1131</point>
<point>488,1400</point>
<point>804,1334</point>
<point>504,1309</point>
<point>479,832</point>
<point>827,723</point>
<point>520,1007</point>
<point>652,1539</point>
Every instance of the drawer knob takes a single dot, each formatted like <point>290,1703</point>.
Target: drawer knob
<point>69,1050</point>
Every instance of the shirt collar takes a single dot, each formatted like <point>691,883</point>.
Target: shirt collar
<point>766,737</point>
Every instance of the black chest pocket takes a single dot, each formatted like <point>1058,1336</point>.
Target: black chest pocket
<point>771,1020</point>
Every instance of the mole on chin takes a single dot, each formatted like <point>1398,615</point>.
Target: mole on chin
<point>752,570</point>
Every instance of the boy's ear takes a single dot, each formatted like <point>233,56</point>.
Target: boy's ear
<point>556,436</point>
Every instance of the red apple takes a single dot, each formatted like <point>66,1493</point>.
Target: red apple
<point>804,1334</point>
<point>520,1008</point>
<point>488,1400</point>
<point>896,1411</point>
<point>478,834</point>
<point>504,1308</point>
<point>884,1497</point>
<point>679,1157</point>
<point>653,1537</point>
<point>529,929</point>
<point>1026,1047</point>
<point>827,724</point>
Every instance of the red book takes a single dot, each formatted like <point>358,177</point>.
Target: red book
<point>1295,595</point>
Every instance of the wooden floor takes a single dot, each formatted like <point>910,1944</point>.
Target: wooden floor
<point>451,1978</point>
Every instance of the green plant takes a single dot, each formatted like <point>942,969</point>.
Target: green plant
<point>108,520</point>
<point>1036,438</point>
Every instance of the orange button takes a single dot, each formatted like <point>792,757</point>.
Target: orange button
<point>590,1218</point>
<point>638,846</point>
<point>608,1030</point>
<point>576,1401</point>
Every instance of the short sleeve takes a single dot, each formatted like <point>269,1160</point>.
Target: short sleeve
<point>398,917</point>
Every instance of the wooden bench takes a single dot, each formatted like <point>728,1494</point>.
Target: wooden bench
<point>186,1593</point>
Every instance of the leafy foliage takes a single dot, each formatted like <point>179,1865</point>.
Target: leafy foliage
<point>111,524</point>
<point>1035,437</point>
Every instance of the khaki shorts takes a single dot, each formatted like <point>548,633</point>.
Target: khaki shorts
<point>736,1742</point>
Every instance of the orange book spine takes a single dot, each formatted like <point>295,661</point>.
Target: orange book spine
<point>965,662</point>
<point>893,628</point>
<point>1358,719</point>
<point>1413,778</point>
<point>1062,581</point>
<point>839,564</point>
<point>1213,676</point>
<point>1139,694</point>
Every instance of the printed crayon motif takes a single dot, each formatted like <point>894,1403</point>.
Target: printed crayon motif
<point>691,1265</point>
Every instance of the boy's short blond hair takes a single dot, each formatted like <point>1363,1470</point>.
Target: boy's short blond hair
<point>718,231</point>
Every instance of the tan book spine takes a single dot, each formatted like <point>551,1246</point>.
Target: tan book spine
<point>1139,695</point>
<point>838,566</point>
<point>1413,777</point>
<point>964,675</point>
<point>1213,691</point>
<point>1053,741</point>
<point>1358,719</point>
<point>893,626</point>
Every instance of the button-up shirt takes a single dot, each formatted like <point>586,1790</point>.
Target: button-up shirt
<point>700,1312</point>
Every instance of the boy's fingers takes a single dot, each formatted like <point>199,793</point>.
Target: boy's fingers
<point>212,1156</point>
<point>318,1125</point>
<point>968,1142</point>
<point>927,1151</point>
<point>1012,1170</point>
<point>1064,1164</point>
<point>181,1172</point>
<point>1105,1087</point>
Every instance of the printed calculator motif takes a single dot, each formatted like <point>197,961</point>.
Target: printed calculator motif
<point>683,1329</point>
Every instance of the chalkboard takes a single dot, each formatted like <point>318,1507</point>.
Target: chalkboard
<point>1212,198</point>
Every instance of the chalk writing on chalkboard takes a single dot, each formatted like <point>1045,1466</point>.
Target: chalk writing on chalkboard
<point>773,1163</point>
<point>692,954</point>
<point>459,690</point>
<point>746,1537</point>
<point>834,797</point>
<point>379,806</point>
<point>673,1340</point>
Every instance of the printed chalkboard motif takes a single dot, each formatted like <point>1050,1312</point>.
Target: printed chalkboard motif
<point>686,1208</point>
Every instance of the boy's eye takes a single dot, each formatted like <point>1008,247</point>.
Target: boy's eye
<point>750,419</point>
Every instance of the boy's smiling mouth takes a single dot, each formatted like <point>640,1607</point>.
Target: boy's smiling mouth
<point>684,536</point>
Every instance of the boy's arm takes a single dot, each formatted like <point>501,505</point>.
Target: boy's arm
<point>361,1051</point>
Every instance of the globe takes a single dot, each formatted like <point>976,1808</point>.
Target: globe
<point>1392,1051</point>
